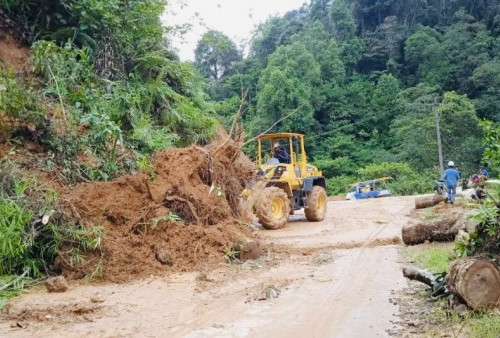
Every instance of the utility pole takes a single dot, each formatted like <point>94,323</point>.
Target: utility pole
<point>438,133</point>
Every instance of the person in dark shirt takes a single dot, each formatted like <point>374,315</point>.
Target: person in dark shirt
<point>280,153</point>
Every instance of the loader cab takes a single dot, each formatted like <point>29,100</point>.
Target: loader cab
<point>292,143</point>
<point>290,176</point>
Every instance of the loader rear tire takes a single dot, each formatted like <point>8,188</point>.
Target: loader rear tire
<point>316,204</point>
<point>273,208</point>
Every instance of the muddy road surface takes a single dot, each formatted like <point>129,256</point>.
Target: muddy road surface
<point>329,279</point>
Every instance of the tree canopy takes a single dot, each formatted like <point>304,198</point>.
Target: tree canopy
<point>214,54</point>
<point>363,79</point>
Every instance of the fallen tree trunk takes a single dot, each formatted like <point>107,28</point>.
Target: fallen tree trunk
<point>476,281</point>
<point>427,201</point>
<point>441,229</point>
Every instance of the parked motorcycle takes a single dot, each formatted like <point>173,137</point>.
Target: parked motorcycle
<point>439,187</point>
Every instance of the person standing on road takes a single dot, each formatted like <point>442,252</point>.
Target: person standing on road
<point>451,177</point>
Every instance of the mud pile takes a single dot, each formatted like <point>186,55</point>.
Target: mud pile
<point>13,54</point>
<point>143,235</point>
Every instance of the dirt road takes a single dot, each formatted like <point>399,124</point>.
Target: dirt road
<point>329,279</point>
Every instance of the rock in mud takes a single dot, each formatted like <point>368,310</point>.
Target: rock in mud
<point>56,284</point>
<point>164,257</point>
<point>461,309</point>
<point>272,293</point>
<point>97,298</point>
<point>249,250</point>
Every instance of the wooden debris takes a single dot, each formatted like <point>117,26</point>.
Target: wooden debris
<point>428,201</point>
<point>420,275</point>
<point>476,281</point>
<point>440,229</point>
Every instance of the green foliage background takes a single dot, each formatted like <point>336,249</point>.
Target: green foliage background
<point>105,68</point>
<point>362,79</point>
<point>103,85</point>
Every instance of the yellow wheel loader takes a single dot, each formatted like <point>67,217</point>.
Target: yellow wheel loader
<point>287,182</point>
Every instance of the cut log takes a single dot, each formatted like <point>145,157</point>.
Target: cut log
<point>441,229</point>
<point>420,275</point>
<point>476,281</point>
<point>427,201</point>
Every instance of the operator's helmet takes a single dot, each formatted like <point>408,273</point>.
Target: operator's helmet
<point>451,164</point>
<point>276,145</point>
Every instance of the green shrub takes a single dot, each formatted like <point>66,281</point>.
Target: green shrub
<point>16,285</point>
<point>13,221</point>
<point>339,185</point>
<point>150,138</point>
<point>486,238</point>
<point>34,228</point>
<point>392,169</point>
<point>412,183</point>
<point>18,102</point>
<point>66,71</point>
<point>104,135</point>
<point>335,167</point>
<point>405,181</point>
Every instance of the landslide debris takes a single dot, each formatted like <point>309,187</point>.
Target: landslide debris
<point>186,211</point>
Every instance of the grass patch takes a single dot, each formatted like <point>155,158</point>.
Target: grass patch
<point>435,258</point>
<point>468,324</point>
<point>429,214</point>
<point>487,325</point>
<point>11,286</point>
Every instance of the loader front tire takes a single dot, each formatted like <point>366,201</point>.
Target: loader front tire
<point>316,204</point>
<point>273,208</point>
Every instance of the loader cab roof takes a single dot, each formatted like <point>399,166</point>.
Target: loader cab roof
<point>279,135</point>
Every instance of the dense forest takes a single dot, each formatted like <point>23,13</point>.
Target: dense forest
<point>364,81</point>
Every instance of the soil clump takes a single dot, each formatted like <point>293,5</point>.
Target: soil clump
<point>13,53</point>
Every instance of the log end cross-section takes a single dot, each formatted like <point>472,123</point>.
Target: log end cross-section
<point>476,281</point>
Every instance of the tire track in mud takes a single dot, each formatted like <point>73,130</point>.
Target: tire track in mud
<point>347,298</point>
<point>362,273</point>
<point>344,238</point>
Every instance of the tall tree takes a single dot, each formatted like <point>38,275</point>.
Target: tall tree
<point>286,87</point>
<point>486,80</point>
<point>275,32</point>
<point>460,131</point>
<point>214,54</point>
